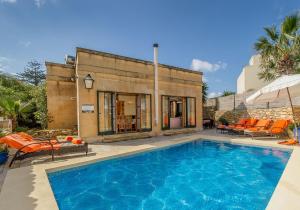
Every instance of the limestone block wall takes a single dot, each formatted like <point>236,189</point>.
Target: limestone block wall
<point>272,113</point>
<point>234,107</point>
<point>61,96</point>
<point>116,73</point>
<point>66,90</point>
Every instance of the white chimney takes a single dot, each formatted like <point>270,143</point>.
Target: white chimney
<point>155,47</point>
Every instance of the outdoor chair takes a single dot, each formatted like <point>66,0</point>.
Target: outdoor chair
<point>240,124</point>
<point>250,123</point>
<point>229,128</point>
<point>278,128</point>
<point>261,125</point>
<point>27,147</point>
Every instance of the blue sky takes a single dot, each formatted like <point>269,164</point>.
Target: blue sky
<point>214,35</point>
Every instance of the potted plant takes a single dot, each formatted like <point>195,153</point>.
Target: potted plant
<point>3,149</point>
<point>292,131</point>
<point>3,153</point>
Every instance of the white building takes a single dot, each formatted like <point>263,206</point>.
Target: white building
<point>248,79</point>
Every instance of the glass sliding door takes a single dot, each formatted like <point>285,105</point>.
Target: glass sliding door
<point>126,113</point>
<point>165,112</point>
<point>178,112</point>
<point>123,113</point>
<point>191,112</point>
<point>145,108</point>
<point>105,111</point>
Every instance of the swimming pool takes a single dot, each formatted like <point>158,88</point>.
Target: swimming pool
<point>196,175</point>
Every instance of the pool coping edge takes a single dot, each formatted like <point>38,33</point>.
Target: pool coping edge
<point>31,188</point>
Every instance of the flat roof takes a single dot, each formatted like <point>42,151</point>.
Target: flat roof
<point>60,65</point>
<point>79,49</point>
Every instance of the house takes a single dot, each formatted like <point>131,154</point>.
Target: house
<point>109,97</point>
<point>248,79</point>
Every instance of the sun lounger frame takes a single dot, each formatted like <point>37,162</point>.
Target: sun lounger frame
<point>20,155</point>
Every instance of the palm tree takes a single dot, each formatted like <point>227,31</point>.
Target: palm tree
<point>280,49</point>
<point>227,93</point>
<point>14,110</point>
<point>204,92</point>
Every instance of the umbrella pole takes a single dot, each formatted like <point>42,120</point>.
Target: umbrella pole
<point>293,112</point>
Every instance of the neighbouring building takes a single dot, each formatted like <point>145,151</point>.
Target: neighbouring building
<point>248,79</point>
<point>109,97</point>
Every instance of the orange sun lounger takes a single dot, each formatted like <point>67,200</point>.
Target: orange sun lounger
<point>261,125</point>
<point>23,146</point>
<point>28,137</point>
<point>250,123</point>
<point>28,148</point>
<point>279,127</point>
<point>240,124</point>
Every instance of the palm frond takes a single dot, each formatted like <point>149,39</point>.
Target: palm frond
<point>263,45</point>
<point>272,33</point>
<point>290,25</point>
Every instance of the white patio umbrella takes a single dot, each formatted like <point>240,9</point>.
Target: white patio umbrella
<point>281,87</point>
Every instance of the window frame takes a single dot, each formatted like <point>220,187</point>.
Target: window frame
<point>186,109</point>
<point>114,110</point>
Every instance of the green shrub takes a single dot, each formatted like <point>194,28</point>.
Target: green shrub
<point>21,129</point>
<point>292,126</point>
<point>2,133</point>
<point>223,121</point>
<point>3,148</point>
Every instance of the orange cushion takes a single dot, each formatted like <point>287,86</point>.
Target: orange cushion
<point>17,142</point>
<point>77,141</point>
<point>242,121</point>
<point>252,129</point>
<point>221,126</point>
<point>25,136</point>
<point>263,123</point>
<point>279,126</point>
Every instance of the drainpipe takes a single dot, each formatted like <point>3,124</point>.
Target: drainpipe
<point>155,47</point>
<point>77,100</point>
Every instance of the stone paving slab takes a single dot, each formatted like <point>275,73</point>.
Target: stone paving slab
<point>29,185</point>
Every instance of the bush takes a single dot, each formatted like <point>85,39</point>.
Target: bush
<point>21,129</point>
<point>292,126</point>
<point>2,133</point>
<point>3,148</point>
<point>223,121</point>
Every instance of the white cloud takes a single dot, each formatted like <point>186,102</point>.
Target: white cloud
<point>4,62</point>
<point>25,43</point>
<point>205,66</point>
<point>214,94</point>
<point>204,79</point>
<point>9,1</point>
<point>39,3</point>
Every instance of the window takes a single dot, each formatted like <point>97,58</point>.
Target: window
<point>178,112</point>
<point>105,114</point>
<point>126,113</point>
<point>123,113</point>
<point>165,112</point>
<point>146,112</point>
<point>191,112</point>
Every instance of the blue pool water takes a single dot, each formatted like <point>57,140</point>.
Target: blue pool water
<point>196,175</point>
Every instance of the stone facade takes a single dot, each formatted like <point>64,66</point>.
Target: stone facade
<point>66,92</point>
<point>234,107</point>
<point>272,113</point>
<point>61,96</point>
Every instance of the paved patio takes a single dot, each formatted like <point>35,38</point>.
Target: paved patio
<point>98,148</point>
<point>29,178</point>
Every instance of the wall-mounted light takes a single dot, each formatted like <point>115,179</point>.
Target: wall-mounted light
<point>88,81</point>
